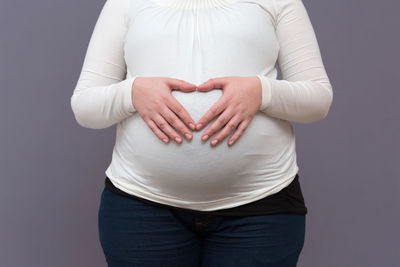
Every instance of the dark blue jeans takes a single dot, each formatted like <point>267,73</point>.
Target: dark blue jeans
<point>134,233</point>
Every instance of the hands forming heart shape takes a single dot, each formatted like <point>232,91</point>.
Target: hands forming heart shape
<point>240,101</point>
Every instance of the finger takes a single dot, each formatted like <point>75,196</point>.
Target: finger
<point>177,84</point>
<point>212,84</point>
<point>218,124</point>
<point>239,132</point>
<point>167,129</point>
<point>177,107</point>
<point>215,110</point>
<point>173,120</point>
<point>228,129</point>
<point>153,126</point>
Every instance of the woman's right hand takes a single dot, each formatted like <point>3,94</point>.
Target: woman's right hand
<point>152,99</point>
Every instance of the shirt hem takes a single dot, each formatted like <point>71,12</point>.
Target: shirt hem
<point>226,203</point>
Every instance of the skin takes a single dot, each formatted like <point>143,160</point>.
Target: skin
<point>152,98</point>
<point>235,109</point>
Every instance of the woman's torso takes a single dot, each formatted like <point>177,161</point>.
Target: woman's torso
<point>196,40</point>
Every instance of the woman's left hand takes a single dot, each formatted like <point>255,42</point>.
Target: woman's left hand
<point>240,101</point>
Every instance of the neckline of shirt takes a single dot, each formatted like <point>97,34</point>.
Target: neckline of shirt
<point>194,4</point>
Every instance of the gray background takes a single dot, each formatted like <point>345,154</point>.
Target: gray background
<point>52,170</point>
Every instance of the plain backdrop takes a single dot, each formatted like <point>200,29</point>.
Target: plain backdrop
<point>52,170</point>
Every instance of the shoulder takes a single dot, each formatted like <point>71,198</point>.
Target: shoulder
<point>278,8</point>
<point>118,4</point>
<point>114,9</point>
<point>289,9</point>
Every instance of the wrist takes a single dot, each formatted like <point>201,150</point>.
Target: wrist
<point>265,92</point>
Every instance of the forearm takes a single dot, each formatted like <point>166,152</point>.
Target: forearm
<point>300,101</point>
<point>99,107</point>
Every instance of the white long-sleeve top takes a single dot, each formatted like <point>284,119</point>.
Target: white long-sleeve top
<point>195,40</point>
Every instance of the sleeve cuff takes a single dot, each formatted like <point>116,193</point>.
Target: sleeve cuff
<point>265,92</point>
<point>127,94</point>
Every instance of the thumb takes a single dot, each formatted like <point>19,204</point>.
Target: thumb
<point>178,84</point>
<point>212,84</point>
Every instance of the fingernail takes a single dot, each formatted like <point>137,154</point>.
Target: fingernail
<point>215,141</point>
<point>230,142</point>
<point>188,136</point>
<point>192,126</point>
<point>199,126</point>
<point>204,138</point>
<point>165,140</point>
<point>177,139</point>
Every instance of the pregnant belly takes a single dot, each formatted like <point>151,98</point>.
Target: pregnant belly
<point>196,169</point>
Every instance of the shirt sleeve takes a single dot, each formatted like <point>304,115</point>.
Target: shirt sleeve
<point>305,93</point>
<point>102,95</point>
